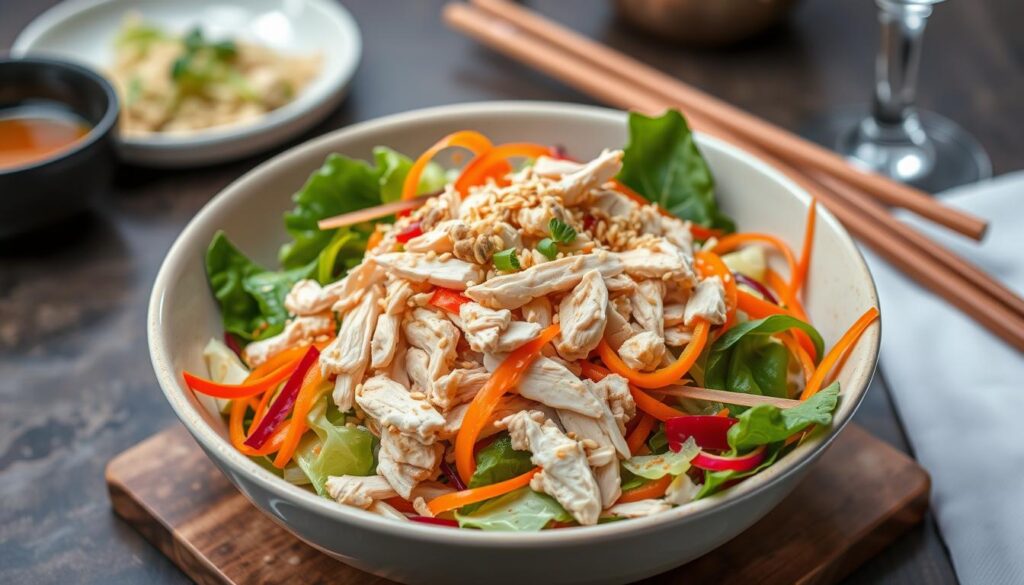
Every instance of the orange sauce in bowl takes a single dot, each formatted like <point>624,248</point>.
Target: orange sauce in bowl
<point>29,135</point>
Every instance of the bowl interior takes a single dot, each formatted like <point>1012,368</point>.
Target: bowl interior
<point>183,315</point>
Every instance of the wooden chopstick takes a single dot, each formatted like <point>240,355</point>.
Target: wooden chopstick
<point>753,129</point>
<point>588,77</point>
<point>370,213</point>
<point>712,395</point>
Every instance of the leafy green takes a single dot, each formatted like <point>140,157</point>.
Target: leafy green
<point>521,510</point>
<point>560,231</point>
<point>668,463</point>
<point>498,462</point>
<point>506,260</point>
<point>251,298</point>
<point>766,424</point>
<point>662,163</point>
<point>746,359</point>
<point>394,167</point>
<point>334,449</point>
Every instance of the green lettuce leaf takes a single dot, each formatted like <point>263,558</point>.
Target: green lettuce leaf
<point>498,462</point>
<point>521,510</point>
<point>766,424</point>
<point>333,449</point>
<point>251,298</point>
<point>746,359</point>
<point>667,463</point>
<point>662,163</point>
<point>394,166</point>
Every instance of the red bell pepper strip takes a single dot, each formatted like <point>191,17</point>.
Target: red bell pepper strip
<point>448,299</point>
<point>436,521</point>
<point>280,408</point>
<point>411,231</point>
<point>709,432</point>
<point>721,463</point>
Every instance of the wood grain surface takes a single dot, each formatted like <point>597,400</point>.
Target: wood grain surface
<point>858,498</point>
<point>76,386</point>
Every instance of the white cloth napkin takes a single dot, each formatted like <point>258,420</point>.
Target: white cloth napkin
<point>960,391</point>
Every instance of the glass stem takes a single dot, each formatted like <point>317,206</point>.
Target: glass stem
<point>898,60</point>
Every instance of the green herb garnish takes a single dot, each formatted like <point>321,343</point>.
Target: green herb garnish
<point>561,232</point>
<point>506,260</point>
<point>548,247</point>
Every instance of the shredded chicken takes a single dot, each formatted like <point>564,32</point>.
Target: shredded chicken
<point>565,474</point>
<point>512,291</point>
<point>582,315</point>
<point>643,351</point>
<point>639,509</point>
<point>392,405</point>
<point>707,303</point>
<point>299,331</point>
<point>450,273</point>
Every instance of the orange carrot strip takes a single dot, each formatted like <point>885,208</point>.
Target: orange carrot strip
<point>492,163</point>
<point>666,376</point>
<point>758,308</point>
<point>287,356</point>
<point>236,391</point>
<point>504,378</point>
<point>374,240</point>
<point>786,294</point>
<point>454,500</point>
<point>238,437</point>
<point>652,489</point>
<point>644,401</point>
<point>312,385</point>
<point>845,343</point>
<point>638,436</point>
<point>733,241</point>
<point>797,280</point>
<point>475,142</point>
<point>806,365</point>
<point>723,412</point>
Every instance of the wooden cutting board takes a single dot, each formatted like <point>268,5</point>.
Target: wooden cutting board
<point>857,499</point>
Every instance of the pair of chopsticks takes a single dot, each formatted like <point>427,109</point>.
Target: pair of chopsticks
<point>855,197</point>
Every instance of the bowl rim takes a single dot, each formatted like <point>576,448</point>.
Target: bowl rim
<point>96,133</point>
<point>212,442</point>
<point>269,122</point>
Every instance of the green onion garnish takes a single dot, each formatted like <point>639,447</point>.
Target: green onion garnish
<point>561,232</point>
<point>506,260</point>
<point>548,247</point>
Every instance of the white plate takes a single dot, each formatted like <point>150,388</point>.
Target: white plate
<point>84,31</point>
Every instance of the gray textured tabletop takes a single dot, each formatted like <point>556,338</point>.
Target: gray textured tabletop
<point>75,381</point>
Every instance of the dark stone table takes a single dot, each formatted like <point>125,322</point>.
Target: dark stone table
<point>75,381</point>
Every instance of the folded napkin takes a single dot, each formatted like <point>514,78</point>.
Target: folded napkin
<point>959,391</point>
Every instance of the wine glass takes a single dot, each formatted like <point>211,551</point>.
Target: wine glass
<point>896,139</point>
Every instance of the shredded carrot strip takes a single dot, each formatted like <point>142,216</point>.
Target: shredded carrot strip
<point>644,401</point>
<point>261,409</point>
<point>797,280</point>
<point>374,240</point>
<point>758,308</point>
<point>492,163</point>
<point>638,436</point>
<point>472,141</point>
<point>723,412</point>
<point>652,489</point>
<point>287,356</point>
<point>454,500</point>
<point>733,241</point>
<point>786,294</point>
<point>845,343</point>
<point>238,437</point>
<point>666,376</point>
<point>243,390</point>
<point>309,392</point>
<point>504,378</point>
<point>806,365</point>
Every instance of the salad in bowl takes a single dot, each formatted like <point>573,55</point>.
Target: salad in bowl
<point>522,342</point>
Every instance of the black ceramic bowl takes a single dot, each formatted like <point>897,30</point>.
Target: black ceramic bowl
<point>51,189</point>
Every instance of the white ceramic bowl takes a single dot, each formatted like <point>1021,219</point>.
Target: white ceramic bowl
<point>84,31</point>
<point>183,316</point>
